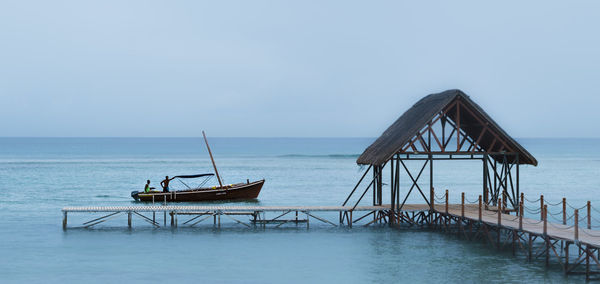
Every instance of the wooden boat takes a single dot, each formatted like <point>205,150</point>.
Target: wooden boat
<point>248,190</point>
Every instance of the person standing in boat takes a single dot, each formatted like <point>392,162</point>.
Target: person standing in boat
<point>147,188</point>
<point>165,183</point>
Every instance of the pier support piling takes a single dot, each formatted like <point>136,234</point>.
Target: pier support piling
<point>129,219</point>
<point>64,223</point>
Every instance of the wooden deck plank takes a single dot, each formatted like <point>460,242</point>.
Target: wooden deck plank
<point>553,230</point>
<point>188,208</point>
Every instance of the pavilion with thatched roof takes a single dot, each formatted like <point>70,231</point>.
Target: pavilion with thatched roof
<point>444,126</point>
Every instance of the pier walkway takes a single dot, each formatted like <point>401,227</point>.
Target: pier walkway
<point>470,212</point>
<point>536,237</point>
<point>258,214</point>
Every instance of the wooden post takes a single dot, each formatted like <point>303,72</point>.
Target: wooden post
<point>521,216</point>
<point>587,263</point>
<point>564,203</point>
<point>446,201</point>
<point>432,199</point>
<point>502,205</point>
<point>529,246</point>
<point>153,212</point>
<point>576,217</point>
<point>589,215</point>
<point>546,238</point>
<point>129,219</point>
<point>349,221</point>
<point>479,208</point>
<point>545,220</point>
<point>165,211</point>
<point>542,207</point>
<point>566,266</point>
<point>499,213</point>
<point>522,202</point>
<point>64,220</point>
<point>499,222</point>
<point>462,205</point>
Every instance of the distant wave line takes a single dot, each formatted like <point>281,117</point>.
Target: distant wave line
<point>338,156</point>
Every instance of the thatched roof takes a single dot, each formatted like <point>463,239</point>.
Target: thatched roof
<point>417,117</point>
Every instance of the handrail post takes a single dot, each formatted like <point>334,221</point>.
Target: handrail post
<point>564,211</point>
<point>503,203</point>
<point>542,207</point>
<point>432,199</point>
<point>522,202</point>
<point>462,205</point>
<point>479,208</point>
<point>589,215</point>
<point>446,201</point>
<point>521,216</point>
<point>499,213</point>
<point>545,220</point>
<point>576,216</point>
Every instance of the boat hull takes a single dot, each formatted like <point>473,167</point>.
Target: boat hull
<point>249,190</point>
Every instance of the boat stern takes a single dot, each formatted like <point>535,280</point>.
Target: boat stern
<point>135,195</point>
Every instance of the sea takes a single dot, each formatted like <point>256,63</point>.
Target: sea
<point>39,176</point>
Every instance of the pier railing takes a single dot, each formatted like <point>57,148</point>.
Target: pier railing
<point>561,215</point>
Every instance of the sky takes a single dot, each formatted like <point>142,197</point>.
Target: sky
<point>292,68</point>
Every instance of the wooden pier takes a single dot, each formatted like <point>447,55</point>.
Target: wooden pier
<point>504,229</point>
<point>447,126</point>
<point>258,214</point>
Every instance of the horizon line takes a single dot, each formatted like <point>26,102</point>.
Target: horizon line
<point>270,137</point>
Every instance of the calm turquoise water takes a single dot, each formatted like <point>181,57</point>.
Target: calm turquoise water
<point>38,176</point>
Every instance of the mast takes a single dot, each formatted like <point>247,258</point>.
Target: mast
<point>213,160</point>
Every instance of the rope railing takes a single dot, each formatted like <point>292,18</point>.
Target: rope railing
<point>553,204</point>
<point>532,223</point>
<point>513,219</point>
<point>568,218</point>
<point>533,201</point>
<point>589,234</point>
<point>554,214</point>
<point>575,208</point>
<point>554,218</point>
<point>532,211</point>
<point>467,200</point>
<point>437,197</point>
<point>557,226</point>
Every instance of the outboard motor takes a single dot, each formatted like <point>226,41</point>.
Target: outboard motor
<point>135,196</point>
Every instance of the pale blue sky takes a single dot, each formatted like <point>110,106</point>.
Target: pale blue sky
<point>292,68</point>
